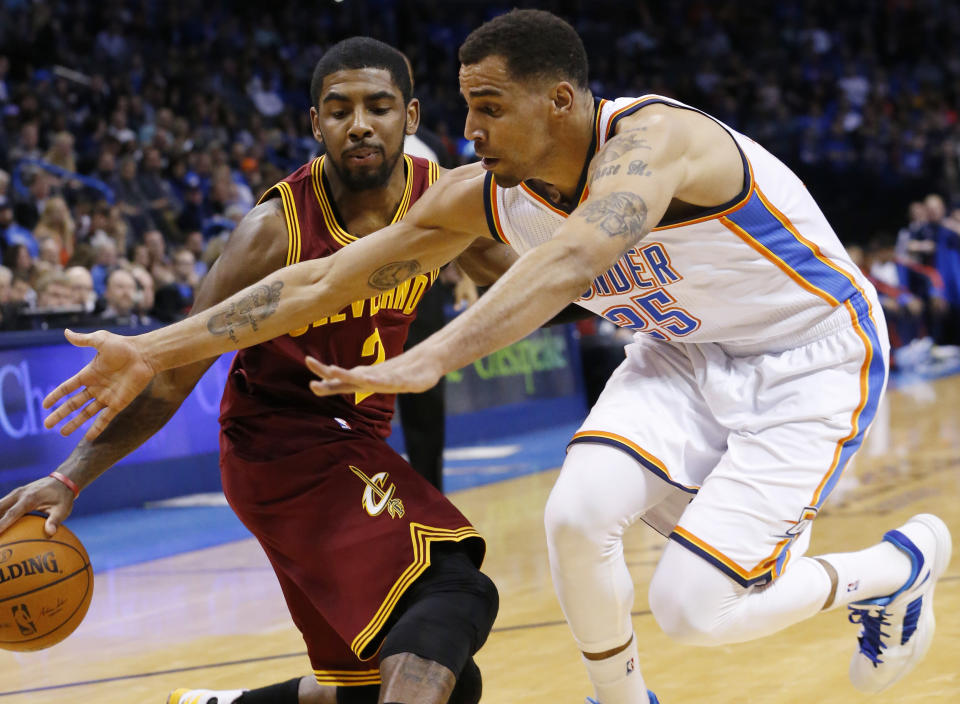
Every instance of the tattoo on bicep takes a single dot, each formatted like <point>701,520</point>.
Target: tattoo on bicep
<point>250,309</point>
<point>615,148</point>
<point>389,276</point>
<point>638,167</point>
<point>621,214</point>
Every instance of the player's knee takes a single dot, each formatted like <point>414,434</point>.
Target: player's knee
<point>469,685</point>
<point>683,606</point>
<point>572,524</point>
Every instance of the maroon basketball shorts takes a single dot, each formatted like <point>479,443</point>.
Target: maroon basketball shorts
<point>347,525</point>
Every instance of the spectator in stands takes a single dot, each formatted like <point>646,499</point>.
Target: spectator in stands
<point>61,152</point>
<point>54,292</point>
<point>27,210</point>
<point>56,223</point>
<point>13,233</point>
<point>163,204</point>
<point>195,245</point>
<point>145,293</point>
<point>133,203</point>
<point>17,258</point>
<point>81,286</point>
<point>105,259</point>
<point>49,259</point>
<point>120,299</point>
<point>6,279</point>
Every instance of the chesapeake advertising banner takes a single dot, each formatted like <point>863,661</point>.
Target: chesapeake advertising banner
<point>529,384</point>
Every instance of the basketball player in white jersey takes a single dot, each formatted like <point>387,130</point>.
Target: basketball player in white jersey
<point>758,363</point>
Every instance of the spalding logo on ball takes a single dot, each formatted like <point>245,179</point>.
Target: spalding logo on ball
<point>45,585</point>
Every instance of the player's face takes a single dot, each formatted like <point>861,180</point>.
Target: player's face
<point>508,121</point>
<point>362,120</point>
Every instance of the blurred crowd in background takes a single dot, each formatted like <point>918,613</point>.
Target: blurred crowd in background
<point>134,135</point>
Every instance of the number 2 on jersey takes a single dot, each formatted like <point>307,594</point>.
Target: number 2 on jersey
<point>372,347</point>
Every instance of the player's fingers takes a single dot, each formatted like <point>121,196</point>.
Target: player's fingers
<point>84,339</point>
<point>74,403</point>
<point>65,389</point>
<point>57,514</point>
<point>88,412</point>
<point>314,365</point>
<point>11,514</point>
<point>331,388</point>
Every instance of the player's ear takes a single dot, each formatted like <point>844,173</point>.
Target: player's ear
<point>413,116</point>
<point>315,125</point>
<point>563,98</point>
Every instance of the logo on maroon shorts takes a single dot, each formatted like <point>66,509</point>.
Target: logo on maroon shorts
<point>376,497</point>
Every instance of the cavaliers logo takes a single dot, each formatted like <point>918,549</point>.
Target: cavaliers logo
<point>376,497</point>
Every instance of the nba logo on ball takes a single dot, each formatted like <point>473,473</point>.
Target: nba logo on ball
<point>45,585</point>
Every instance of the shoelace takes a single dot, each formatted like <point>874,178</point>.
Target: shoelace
<point>871,620</point>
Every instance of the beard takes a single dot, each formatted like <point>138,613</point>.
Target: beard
<point>363,179</point>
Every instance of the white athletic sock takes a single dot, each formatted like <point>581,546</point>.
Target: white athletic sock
<point>877,571</point>
<point>617,679</point>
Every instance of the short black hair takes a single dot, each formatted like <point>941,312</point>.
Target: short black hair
<point>535,44</point>
<point>361,52</point>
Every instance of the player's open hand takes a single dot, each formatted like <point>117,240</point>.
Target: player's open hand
<point>401,374</point>
<point>104,387</point>
<point>46,494</point>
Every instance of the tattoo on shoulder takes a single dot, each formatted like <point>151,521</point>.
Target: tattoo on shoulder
<point>250,309</point>
<point>602,164</point>
<point>621,214</point>
<point>389,276</point>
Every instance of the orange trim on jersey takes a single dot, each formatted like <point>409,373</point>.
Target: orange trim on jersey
<point>421,536</point>
<point>605,435</point>
<point>611,123</point>
<point>768,564</point>
<point>543,201</point>
<point>347,678</point>
<point>495,212</point>
<point>777,261</point>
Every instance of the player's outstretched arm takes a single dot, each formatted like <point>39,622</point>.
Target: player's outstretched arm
<point>257,247</point>
<point>633,179</point>
<point>430,236</point>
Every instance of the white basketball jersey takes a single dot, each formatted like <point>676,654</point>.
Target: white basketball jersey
<point>763,271</point>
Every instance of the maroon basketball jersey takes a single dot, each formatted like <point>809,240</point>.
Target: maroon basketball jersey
<point>267,399</point>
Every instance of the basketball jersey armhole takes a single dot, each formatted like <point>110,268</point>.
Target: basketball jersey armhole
<point>285,193</point>
<point>490,209</point>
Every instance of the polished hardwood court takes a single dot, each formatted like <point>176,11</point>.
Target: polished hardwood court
<point>215,618</point>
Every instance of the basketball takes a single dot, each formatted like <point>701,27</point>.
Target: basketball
<point>45,585</point>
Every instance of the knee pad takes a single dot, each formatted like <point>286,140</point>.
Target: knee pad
<point>446,615</point>
<point>364,694</point>
<point>469,685</point>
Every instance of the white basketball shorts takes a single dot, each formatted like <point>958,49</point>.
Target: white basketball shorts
<point>752,441</point>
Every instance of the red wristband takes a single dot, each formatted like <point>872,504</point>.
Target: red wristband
<point>66,481</point>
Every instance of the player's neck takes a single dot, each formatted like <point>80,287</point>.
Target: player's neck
<point>368,210</point>
<point>563,167</point>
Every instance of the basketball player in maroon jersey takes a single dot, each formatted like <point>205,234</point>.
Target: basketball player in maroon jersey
<point>335,509</point>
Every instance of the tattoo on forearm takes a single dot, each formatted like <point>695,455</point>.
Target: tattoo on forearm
<point>391,275</point>
<point>621,214</point>
<point>615,148</point>
<point>145,415</point>
<point>256,306</point>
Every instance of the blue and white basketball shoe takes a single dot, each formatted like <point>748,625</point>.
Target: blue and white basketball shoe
<point>896,630</point>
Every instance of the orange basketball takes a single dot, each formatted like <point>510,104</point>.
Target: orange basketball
<point>45,585</point>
